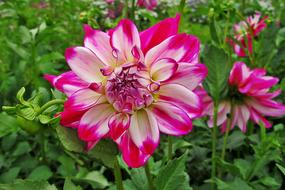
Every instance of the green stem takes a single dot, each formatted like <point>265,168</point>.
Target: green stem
<point>125,10</point>
<point>169,147</point>
<point>214,144</point>
<point>149,177</point>
<point>133,9</point>
<point>226,139</point>
<point>49,104</point>
<point>118,175</point>
<point>262,132</point>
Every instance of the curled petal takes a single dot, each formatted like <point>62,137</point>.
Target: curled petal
<point>67,82</point>
<point>180,47</point>
<point>84,63</point>
<point>171,119</point>
<point>189,75</point>
<point>132,155</point>
<point>182,97</point>
<point>118,124</point>
<point>153,35</point>
<point>163,69</point>
<point>99,43</point>
<point>94,123</point>
<point>144,131</point>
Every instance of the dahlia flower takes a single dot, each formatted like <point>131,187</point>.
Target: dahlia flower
<point>130,86</point>
<point>249,98</point>
<point>245,30</point>
<point>149,4</point>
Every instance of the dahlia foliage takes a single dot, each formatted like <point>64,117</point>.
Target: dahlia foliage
<point>249,98</point>
<point>245,31</point>
<point>130,86</point>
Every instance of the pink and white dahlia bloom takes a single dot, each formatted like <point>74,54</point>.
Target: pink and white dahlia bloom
<point>245,30</point>
<point>130,86</point>
<point>249,98</point>
<point>149,4</point>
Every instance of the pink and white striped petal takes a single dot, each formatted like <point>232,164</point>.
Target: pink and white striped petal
<point>266,107</point>
<point>132,155</point>
<point>84,63</point>
<point>189,75</point>
<point>71,117</point>
<point>124,38</point>
<point>153,35</point>
<point>94,123</point>
<point>118,124</point>
<point>239,73</point>
<point>67,82</point>
<point>99,43</point>
<point>243,117</point>
<point>144,131</point>
<point>83,99</point>
<point>182,97</point>
<point>163,69</point>
<point>180,47</point>
<point>171,119</point>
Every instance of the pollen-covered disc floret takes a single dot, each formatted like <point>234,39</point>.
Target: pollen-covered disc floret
<point>131,86</point>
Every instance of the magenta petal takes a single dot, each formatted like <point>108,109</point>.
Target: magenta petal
<point>71,118</point>
<point>67,82</point>
<point>180,47</point>
<point>163,69</point>
<point>124,38</point>
<point>99,43</point>
<point>118,124</point>
<point>83,99</point>
<point>189,75</point>
<point>171,119</point>
<point>94,123</point>
<point>181,97</point>
<point>84,63</point>
<point>144,131</point>
<point>131,153</point>
<point>154,35</point>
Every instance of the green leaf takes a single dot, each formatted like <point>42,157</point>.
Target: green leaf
<point>139,179</point>
<point>69,139</point>
<point>22,148</point>
<point>96,179</point>
<point>40,173</point>
<point>18,50</point>
<point>105,151</point>
<point>68,185</point>
<point>20,96</point>
<point>237,184</point>
<point>213,30</point>
<point>10,175</point>
<point>281,168</point>
<point>172,175</point>
<point>8,124</point>
<point>217,62</point>
<point>270,182</point>
<point>243,166</point>
<point>28,185</point>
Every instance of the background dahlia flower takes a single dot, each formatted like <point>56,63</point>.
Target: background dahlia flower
<point>149,4</point>
<point>249,98</point>
<point>245,30</point>
<point>130,86</point>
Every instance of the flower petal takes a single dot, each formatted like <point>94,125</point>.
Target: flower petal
<point>189,75</point>
<point>118,124</point>
<point>132,155</point>
<point>94,123</point>
<point>71,117</point>
<point>124,38</point>
<point>171,119</point>
<point>144,131</point>
<point>99,42</point>
<point>84,64</point>
<point>181,97</point>
<point>153,35</point>
<point>84,99</point>
<point>163,69</point>
<point>181,48</point>
<point>67,82</point>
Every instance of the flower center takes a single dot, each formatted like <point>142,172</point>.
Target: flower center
<point>125,90</point>
<point>235,95</point>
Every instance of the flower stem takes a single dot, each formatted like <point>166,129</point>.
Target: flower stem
<point>169,147</point>
<point>125,10</point>
<point>49,104</point>
<point>262,132</point>
<point>149,177</point>
<point>214,144</point>
<point>118,175</point>
<point>226,139</point>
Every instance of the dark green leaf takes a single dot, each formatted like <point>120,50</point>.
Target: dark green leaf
<point>40,173</point>
<point>69,139</point>
<point>28,185</point>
